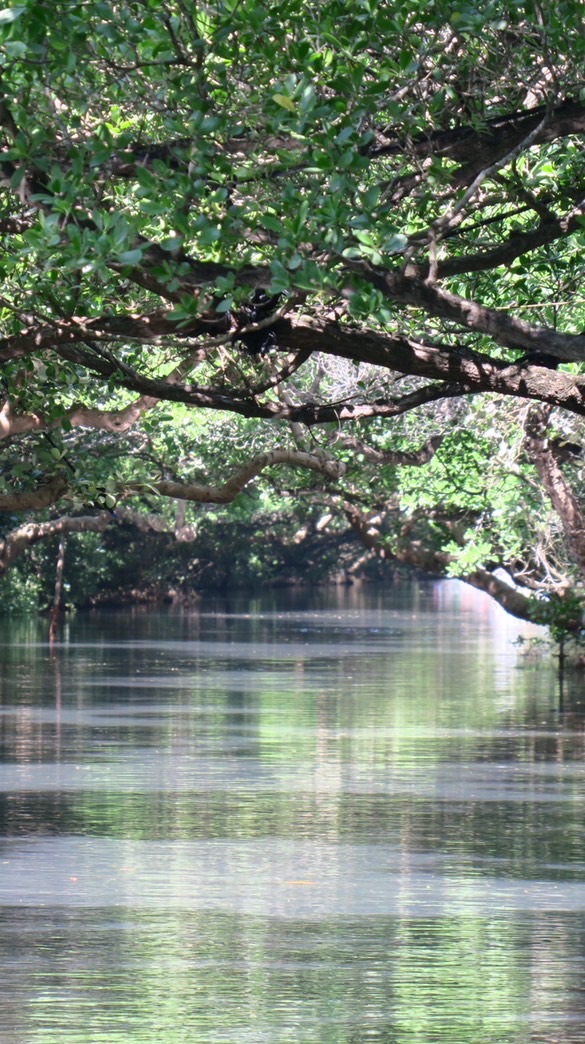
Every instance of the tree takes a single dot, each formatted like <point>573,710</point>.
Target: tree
<point>379,217</point>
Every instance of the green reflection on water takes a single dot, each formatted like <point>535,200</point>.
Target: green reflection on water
<point>215,978</point>
<point>344,737</point>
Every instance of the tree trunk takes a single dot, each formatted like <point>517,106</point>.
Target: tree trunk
<point>58,592</point>
<point>562,498</point>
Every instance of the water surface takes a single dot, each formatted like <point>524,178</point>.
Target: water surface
<point>351,816</point>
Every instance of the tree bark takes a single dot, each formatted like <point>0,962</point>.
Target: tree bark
<point>58,590</point>
<point>561,495</point>
<point>18,540</point>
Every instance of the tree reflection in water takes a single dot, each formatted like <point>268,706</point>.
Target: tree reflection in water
<point>336,817</point>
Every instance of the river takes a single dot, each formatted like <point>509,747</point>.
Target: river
<point>325,817</point>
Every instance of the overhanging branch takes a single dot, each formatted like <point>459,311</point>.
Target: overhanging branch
<point>229,490</point>
<point>503,328</point>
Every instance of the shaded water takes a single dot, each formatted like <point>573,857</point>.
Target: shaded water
<point>352,817</point>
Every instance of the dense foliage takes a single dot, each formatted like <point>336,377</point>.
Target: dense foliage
<point>326,253</point>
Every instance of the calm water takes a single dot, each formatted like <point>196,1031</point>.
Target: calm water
<point>356,817</point>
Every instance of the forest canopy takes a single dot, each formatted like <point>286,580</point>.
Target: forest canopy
<point>319,260</point>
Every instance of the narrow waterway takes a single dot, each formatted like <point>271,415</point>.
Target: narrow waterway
<point>304,819</point>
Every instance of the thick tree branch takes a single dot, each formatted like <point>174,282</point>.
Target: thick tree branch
<point>503,328</point>
<point>43,496</point>
<point>115,421</point>
<point>476,150</point>
<point>461,370</point>
<point>154,328</point>
<point>18,540</point>
<point>515,602</point>
<point>456,210</point>
<point>503,135</point>
<point>474,371</point>
<point>500,136</point>
<point>516,245</point>
<point>229,490</point>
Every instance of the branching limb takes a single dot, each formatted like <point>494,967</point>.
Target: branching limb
<point>505,330</point>
<point>43,496</point>
<point>396,458</point>
<point>229,490</point>
<point>18,540</point>
<point>556,485</point>
<point>436,563</point>
<point>456,211</point>
<point>516,245</point>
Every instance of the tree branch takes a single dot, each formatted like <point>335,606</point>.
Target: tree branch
<point>35,500</point>
<point>564,501</point>
<point>18,540</point>
<point>516,245</point>
<point>394,458</point>
<point>436,563</point>
<point>229,490</point>
<point>512,333</point>
<point>478,149</point>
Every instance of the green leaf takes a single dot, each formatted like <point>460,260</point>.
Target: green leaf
<point>285,102</point>
<point>210,235</point>
<point>274,224</point>
<point>395,245</point>
<point>10,14</point>
<point>130,257</point>
<point>15,48</point>
<point>172,244</point>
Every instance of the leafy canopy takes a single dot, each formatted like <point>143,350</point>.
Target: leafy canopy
<point>325,215</point>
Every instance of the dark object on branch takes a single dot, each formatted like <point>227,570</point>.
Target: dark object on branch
<point>260,307</point>
<point>536,358</point>
<point>564,450</point>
